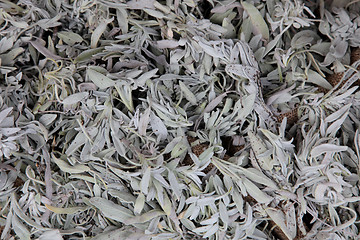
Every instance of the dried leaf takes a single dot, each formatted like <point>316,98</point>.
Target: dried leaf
<point>145,217</point>
<point>188,94</point>
<point>111,210</point>
<point>70,38</point>
<point>100,29</point>
<point>258,22</point>
<point>99,79</point>
<point>65,167</point>
<point>75,98</point>
<point>68,210</point>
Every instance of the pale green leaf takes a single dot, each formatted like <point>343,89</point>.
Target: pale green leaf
<point>65,167</point>
<point>68,210</point>
<point>258,22</point>
<point>100,29</point>
<point>187,93</point>
<point>70,38</point>
<point>111,210</point>
<point>145,217</point>
<point>99,79</point>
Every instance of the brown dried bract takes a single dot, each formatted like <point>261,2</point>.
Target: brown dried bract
<point>335,78</point>
<point>231,149</point>
<point>18,182</point>
<point>292,116</point>
<point>355,55</point>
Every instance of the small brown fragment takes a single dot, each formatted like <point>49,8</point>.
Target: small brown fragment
<point>18,182</point>
<point>187,160</point>
<point>292,116</point>
<point>231,149</point>
<point>199,148</point>
<point>323,90</point>
<point>249,199</point>
<point>335,78</point>
<point>355,55</point>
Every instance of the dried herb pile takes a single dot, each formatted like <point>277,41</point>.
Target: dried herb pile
<point>184,119</point>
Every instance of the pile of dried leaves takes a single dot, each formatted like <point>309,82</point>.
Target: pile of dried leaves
<point>179,119</point>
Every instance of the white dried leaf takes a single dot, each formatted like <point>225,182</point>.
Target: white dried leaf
<point>144,121</point>
<point>124,234</point>
<point>335,126</point>
<point>154,13</point>
<point>178,149</point>
<point>336,115</point>
<point>256,193</point>
<point>317,79</point>
<point>161,44</point>
<point>224,216</point>
<point>75,98</point>
<point>87,54</point>
<point>278,217</point>
<point>122,19</point>
<point>319,192</point>
<point>290,216</point>
<point>206,155</point>
<point>144,77</point>
<point>145,217</point>
<point>124,197</point>
<point>20,229</point>
<point>4,113</point>
<point>259,148</point>
<point>158,126</point>
<point>326,148</point>
<point>49,23</point>
<point>145,181</point>
<point>247,72</point>
<point>210,50</point>
<point>65,167</point>
<point>258,177</point>
<point>140,4</point>
<point>174,184</point>
<point>8,58</point>
<point>68,210</point>
<point>51,234</point>
<point>47,119</point>
<point>188,94</point>
<point>79,140</point>
<point>6,44</point>
<point>139,203</point>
